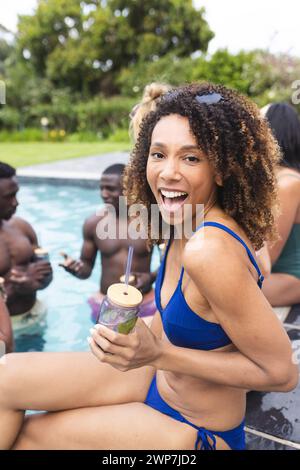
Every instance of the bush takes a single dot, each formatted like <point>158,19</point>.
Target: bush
<point>119,135</point>
<point>10,118</point>
<point>104,115</point>
<point>86,136</point>
<point>26,135</point>
<point>168,69</point>
<point>59,135</point>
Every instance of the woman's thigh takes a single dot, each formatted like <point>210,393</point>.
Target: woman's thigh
<point>61,381</point>
<point>128,426</point>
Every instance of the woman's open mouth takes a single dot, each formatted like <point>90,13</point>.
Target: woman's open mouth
<point>172,200</point>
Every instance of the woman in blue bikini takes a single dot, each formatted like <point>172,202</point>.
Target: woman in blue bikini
<point>181,384</point>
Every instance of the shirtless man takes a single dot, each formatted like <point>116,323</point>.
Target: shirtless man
<point>23,275</point>
<point>113,251</point>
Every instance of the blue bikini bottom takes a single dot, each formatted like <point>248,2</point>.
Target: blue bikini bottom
<point>235,438</point>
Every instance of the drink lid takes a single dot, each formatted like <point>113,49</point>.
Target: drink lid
<point>131,278</point>
<point>40,251</point>
<point>123,297</point>
<point>162,247</point>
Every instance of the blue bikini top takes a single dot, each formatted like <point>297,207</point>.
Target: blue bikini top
<point>181,324</point>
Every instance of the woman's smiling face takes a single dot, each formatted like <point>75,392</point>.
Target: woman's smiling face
<point>178,172</point>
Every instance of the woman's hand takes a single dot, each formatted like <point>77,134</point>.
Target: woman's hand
<point>125,352</point>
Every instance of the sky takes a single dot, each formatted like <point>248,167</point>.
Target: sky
<point>238,24</point>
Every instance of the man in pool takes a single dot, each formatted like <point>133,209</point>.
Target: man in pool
<point>113,251</point>
<point>24,275</point>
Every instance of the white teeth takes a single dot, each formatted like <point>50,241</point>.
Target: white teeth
<point>171,194</point>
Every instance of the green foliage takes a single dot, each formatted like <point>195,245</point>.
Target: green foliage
<point>59,135</point>
<point>119,135</point>
<point>101,116</point>
<point>85,45</point>
<point>5,51</point>
<point>168,69</point>
<point>84,136</point>
<point>60,111</point>
<point>25,135</point>
<point>104,115</point>
<point>243,71</point>
<point>9,117</point>
<point>83,65</point>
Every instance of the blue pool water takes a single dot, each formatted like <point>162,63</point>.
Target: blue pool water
<point>57,214</point>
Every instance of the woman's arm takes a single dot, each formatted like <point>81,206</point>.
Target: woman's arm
<point>288,193</point>
<point>263,360</point>
<point>6,334</point>
<point>264,357</point>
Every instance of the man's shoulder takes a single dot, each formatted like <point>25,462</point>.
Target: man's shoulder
<point>90,223</point>
<point>18,222</point>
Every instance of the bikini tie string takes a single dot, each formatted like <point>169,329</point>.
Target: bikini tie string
<point>202,438</point>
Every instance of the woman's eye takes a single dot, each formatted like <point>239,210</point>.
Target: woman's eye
<point>192,159</point>
<point>156,155</point>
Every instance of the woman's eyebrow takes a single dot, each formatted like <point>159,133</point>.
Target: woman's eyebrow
<point>184,147</point>
<point>190,147</point>
<point>157,144</point>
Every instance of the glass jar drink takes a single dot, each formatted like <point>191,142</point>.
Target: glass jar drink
<point>120,307</point>
<point>41,254</point>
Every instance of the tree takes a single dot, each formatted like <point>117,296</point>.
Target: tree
<point>262,76</point>
<point>85,45</point>
<point>244,71</point>
<point>6,47</point>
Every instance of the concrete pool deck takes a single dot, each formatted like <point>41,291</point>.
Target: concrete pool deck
<point>84,171</point>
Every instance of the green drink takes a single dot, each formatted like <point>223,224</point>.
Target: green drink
<point>119,309</point>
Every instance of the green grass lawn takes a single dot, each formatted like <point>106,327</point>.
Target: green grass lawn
<point>31,153</point>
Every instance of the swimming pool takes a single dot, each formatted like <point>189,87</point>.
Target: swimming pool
<point>57,214</point>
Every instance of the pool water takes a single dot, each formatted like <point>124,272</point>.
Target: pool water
<point>57,214</point>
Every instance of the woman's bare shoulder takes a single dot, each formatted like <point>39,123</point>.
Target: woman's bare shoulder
<point>288,177</point>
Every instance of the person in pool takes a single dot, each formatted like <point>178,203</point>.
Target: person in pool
<point>24,274</point>
<point>152,92</point>
<point>282,287</point>
<point>182,383</point>
<point>113,252</point>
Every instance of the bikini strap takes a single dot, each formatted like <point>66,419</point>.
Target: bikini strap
<point>289,174</point>
<point>202,437</point>
<point>237,237</point>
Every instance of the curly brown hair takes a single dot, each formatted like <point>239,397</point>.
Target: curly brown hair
<point>238,144</point>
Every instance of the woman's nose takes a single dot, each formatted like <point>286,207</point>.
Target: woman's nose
<point>170,170</point>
